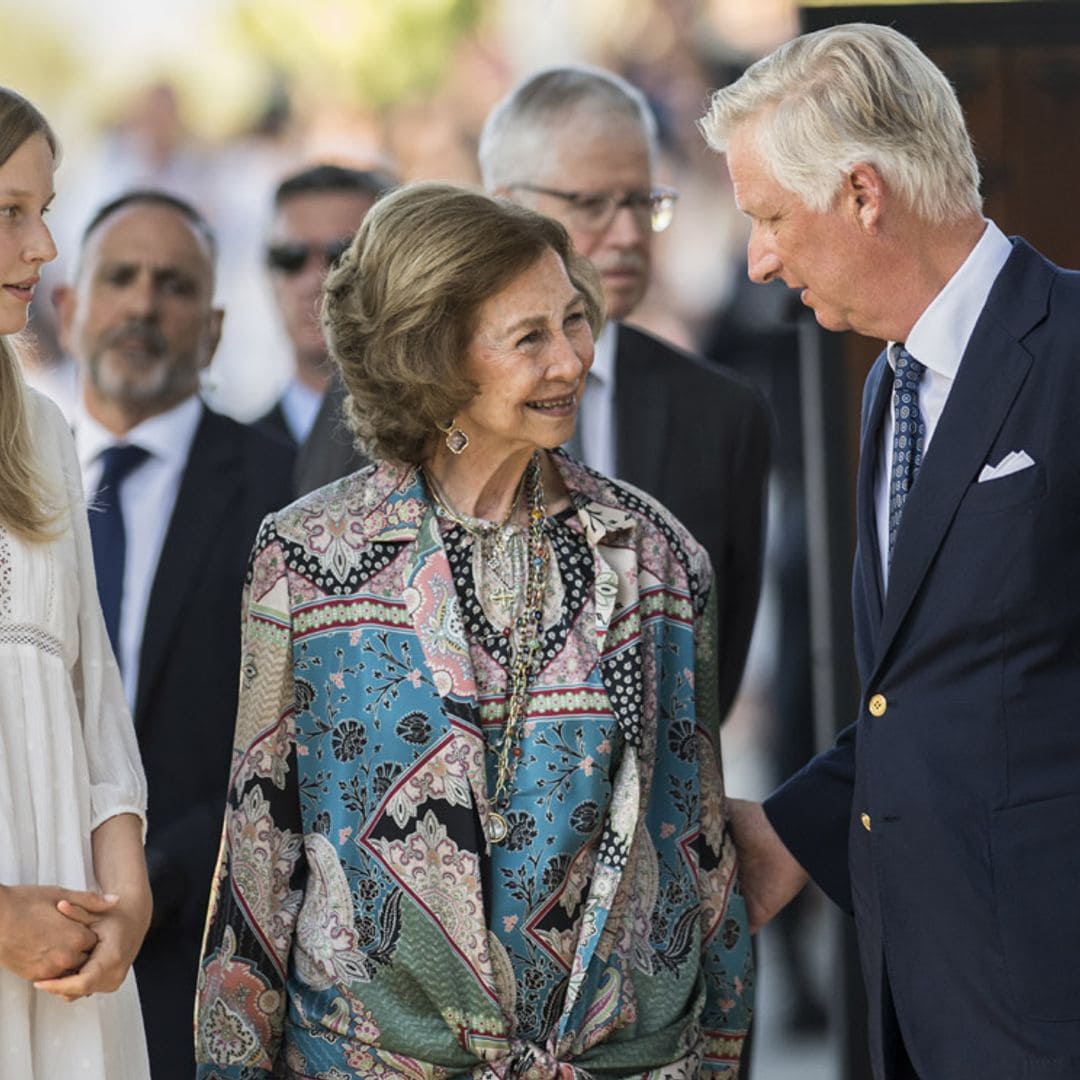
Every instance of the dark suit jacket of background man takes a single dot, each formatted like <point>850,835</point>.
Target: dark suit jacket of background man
<point>328,453</point>
<point>950,821</point>
<point>696,436</point>
<point>273,423</point>
<point>185,708</point>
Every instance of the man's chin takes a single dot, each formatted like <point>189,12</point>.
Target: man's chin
<point>622,301</point>
<point>831,320</point>
<point>316,359</point>
<point>154,391</point>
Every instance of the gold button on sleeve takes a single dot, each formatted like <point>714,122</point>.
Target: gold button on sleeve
<point>864,817</point>
<point>878,705</point>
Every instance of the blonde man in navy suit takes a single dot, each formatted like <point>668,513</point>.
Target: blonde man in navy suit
<point>947,816</point>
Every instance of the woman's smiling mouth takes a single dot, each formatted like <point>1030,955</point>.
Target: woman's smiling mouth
<point>561,406</point>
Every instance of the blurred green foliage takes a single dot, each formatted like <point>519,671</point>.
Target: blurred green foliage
<point>36,54</point>
<point>368,52</point>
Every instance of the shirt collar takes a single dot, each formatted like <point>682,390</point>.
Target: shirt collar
<point>603,365</point>
<point>167,436</point>
<point>394,500</point>
<point>941,333</point>
<point>300,404</point>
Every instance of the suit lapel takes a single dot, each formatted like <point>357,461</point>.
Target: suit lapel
<point>641,412</point>
<point>990,376</point>
<point>208,487</point>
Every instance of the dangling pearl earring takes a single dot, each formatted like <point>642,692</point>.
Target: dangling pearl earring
<point>456,439</point>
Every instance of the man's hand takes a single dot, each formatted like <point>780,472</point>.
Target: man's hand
<point>37,939</point>
<point>770,875</point>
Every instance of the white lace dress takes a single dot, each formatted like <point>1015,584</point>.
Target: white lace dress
<point>68,761</point>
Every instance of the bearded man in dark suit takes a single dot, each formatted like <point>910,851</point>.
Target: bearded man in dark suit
<point>172,530</point>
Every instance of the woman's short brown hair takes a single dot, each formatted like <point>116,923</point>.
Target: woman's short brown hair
<point>399,309</point>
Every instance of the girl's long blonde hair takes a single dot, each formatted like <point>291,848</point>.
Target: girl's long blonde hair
<point>27,507</point>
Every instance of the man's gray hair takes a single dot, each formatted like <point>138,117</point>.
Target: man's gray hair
<point>515,135</point>
<point>852,94</point>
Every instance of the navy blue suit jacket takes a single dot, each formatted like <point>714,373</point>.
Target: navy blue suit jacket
<point>950,823</point>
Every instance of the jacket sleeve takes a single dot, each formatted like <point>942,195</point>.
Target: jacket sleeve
<point>811,813</point>
<point>259,882</point>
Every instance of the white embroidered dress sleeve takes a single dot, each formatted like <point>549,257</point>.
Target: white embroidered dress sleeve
<point>68,760</point>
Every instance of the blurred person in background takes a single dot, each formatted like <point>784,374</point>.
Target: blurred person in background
<point>74,897</point>
<point>179,492</point>
<point>946,816</point>
<point>316,214</point>
<point>579,144</point>
<point>475,823</point>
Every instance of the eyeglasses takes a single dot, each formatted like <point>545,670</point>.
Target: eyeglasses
<point>594,211</point>
<point>292,258</point>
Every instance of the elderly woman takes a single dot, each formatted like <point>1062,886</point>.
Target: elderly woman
<point>476,818</point>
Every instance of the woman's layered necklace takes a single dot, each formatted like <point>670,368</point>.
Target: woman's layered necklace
<point>511,571</point>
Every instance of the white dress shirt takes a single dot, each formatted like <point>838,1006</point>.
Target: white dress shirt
<point>938,340</point>
<point>300,405</point>
<point>598,405</point>
<point>147,498</point>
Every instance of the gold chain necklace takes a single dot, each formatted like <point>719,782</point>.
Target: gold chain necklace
<point>526,628</point>
<point>473,525</point>
<point>499,555</point>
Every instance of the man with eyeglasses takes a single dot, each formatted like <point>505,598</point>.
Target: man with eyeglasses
<point>316,214</point>
<point>579,144</point>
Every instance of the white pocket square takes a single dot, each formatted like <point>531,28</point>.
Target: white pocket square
<point>1012,462</point>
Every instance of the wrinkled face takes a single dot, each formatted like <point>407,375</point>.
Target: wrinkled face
<point>139,319</point>
<point>824,255</point>
<point>528,356</point>
<point>589,157</point>
<point>306,228</point>
<point>26,190</point>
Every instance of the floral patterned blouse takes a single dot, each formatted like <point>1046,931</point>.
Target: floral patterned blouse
<point>360,923</point>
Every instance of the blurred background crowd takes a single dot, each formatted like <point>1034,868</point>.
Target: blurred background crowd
<point>217,99</point>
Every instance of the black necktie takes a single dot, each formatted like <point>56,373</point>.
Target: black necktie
<point>909,437</point>
<point>107,533</point>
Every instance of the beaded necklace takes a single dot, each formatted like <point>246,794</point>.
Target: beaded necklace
<point>525,629</point>
<point>474,525</point>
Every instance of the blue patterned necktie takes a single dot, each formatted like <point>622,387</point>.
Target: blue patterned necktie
<point>909,436</point>
<point>107,534</point>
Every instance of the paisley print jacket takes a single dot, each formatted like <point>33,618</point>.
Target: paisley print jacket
<point>360,924</point>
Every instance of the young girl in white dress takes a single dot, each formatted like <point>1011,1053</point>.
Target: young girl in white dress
<point>74,897</point>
